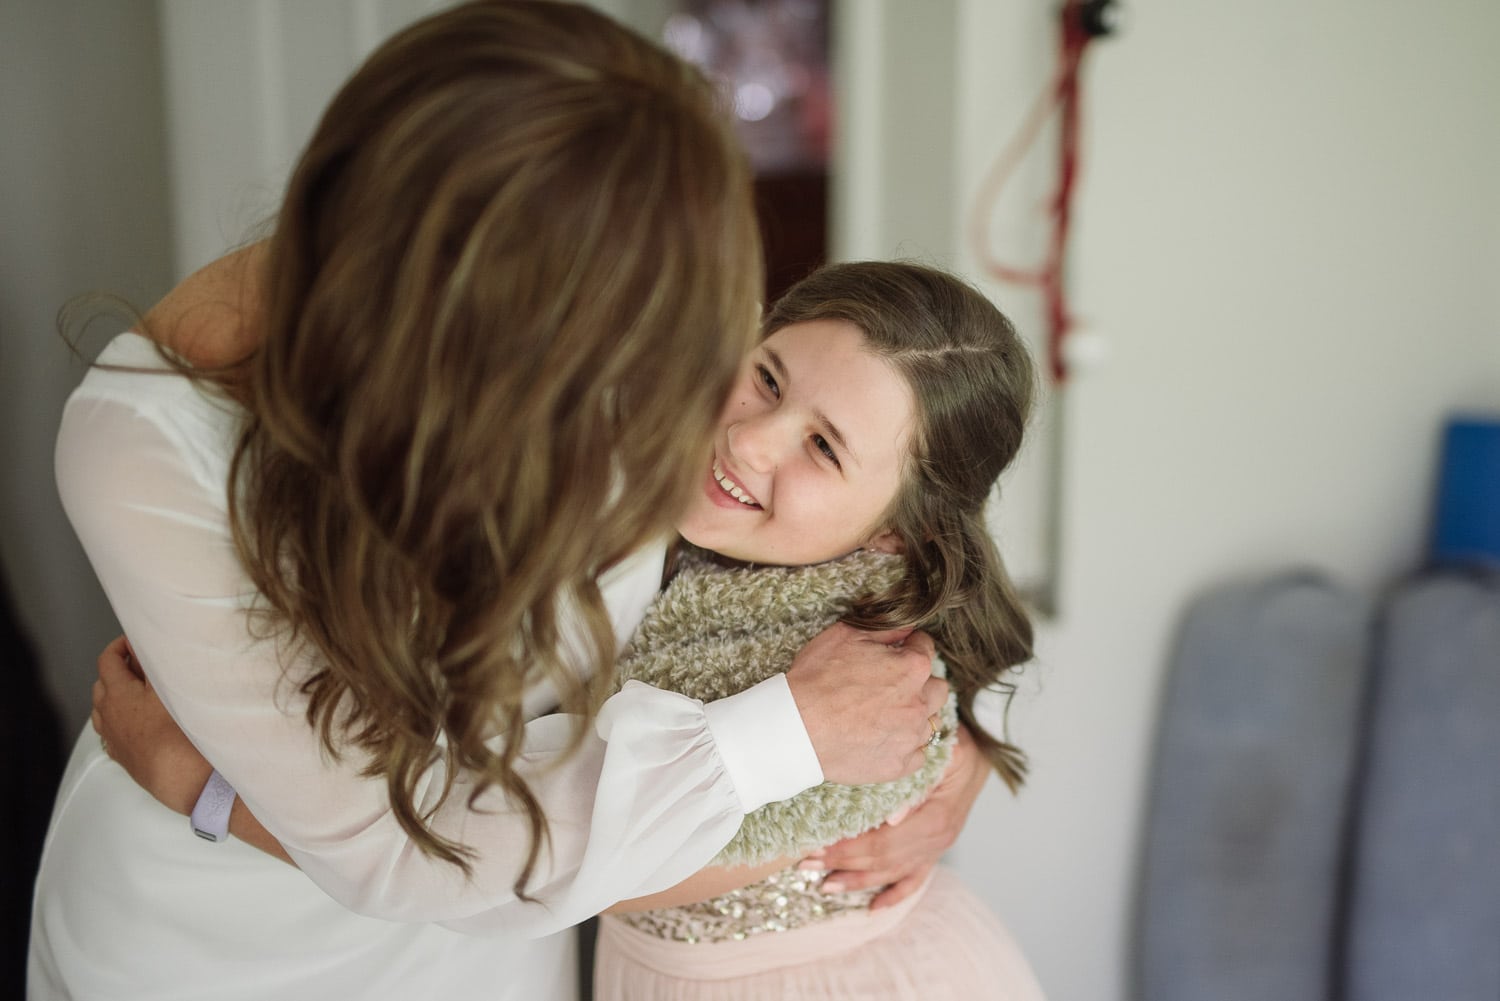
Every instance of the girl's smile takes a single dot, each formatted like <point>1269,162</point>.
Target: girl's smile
<point>729,486</point>
<point>809,450</point>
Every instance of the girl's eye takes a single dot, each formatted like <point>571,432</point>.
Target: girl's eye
<point>826,449</point>
<point>768,380</point>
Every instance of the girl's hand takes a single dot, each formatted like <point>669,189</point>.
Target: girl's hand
<point>900,854</point>
<point>137,731</point>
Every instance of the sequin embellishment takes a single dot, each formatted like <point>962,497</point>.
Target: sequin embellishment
<point>789,899</point>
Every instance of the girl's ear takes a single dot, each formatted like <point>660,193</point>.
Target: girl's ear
<point>885,542</point>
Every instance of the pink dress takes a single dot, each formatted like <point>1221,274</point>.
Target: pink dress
<point>942,943</point>
<point>715,630</point>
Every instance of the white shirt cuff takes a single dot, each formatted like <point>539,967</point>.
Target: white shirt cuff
<point>763,744</point>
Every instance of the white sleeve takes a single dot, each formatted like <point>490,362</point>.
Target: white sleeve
<point>658,787</point>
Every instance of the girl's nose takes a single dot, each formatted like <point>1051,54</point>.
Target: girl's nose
<point>755,442</point>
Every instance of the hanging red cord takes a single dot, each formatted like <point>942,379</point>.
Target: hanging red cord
<point>1081,22</point>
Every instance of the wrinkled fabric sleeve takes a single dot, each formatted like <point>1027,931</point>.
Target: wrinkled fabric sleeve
<point>647,801</point>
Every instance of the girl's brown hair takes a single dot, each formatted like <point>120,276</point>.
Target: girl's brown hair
<point>973,383</point>
<point>512,278</point>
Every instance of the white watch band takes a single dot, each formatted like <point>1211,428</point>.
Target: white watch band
<point>210,816</point>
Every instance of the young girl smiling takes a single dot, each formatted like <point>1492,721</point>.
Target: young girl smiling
<point>850,469</point>
<point>848,477</point>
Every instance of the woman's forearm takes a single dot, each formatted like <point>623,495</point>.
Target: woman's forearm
<point>706,883</point>
<point>244,826</point>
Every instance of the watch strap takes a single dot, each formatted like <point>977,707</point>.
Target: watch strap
<point>210,817</point>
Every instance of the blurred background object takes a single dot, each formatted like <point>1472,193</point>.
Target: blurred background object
<point>31,740</point>
<point>1253,776</point>
<point>1466,521</point>
<point>771,59</point>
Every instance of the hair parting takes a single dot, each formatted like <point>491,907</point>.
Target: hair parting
<point>973,383</point>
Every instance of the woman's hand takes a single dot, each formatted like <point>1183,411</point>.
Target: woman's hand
<point>901,853</point>
<point>138,732</point>
<point>865,699</point>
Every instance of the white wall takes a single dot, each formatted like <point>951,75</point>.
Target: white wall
<point>1289,231</point>
<point>82,209</point>
<point>245,84</point>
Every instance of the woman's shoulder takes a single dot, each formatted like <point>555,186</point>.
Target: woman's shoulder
<point>133,401</point>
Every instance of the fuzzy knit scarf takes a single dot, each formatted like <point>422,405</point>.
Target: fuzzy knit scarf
<point>718,630</point>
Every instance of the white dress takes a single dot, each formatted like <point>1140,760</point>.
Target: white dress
<point>130,905</point>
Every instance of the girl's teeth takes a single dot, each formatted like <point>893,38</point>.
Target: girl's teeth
<point>730,488</point>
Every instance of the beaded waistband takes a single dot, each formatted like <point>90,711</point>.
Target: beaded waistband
<point>789,899</point>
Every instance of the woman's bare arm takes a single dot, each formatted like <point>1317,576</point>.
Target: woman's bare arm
<point>706,883</point>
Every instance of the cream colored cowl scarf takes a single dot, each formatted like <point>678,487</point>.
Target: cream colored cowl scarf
<point>717,630</point>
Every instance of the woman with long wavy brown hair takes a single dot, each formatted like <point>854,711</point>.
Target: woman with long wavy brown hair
<point>375,498</point>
